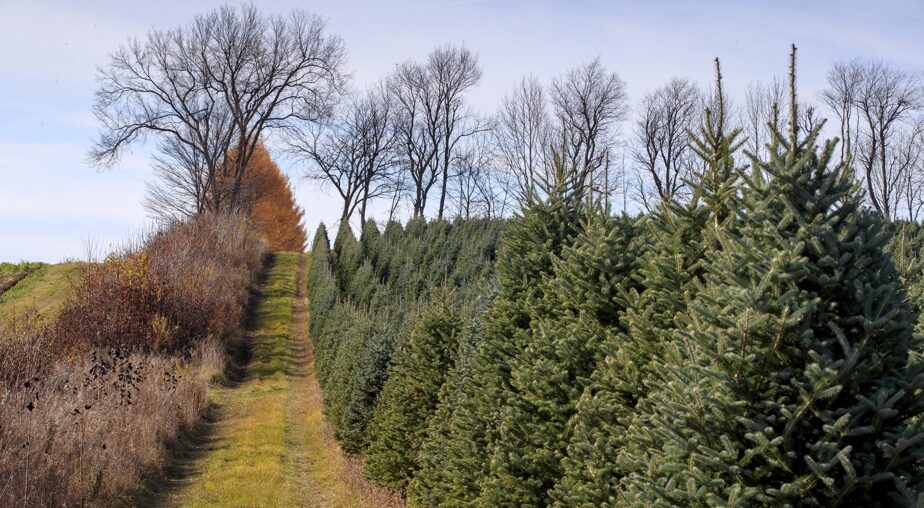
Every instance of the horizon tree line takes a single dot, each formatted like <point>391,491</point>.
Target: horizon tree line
<point>210,91</point>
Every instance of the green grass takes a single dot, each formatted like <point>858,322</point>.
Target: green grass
<point>247,467</point>
<point>12,273</point>
<point>42,291</point>
<point>7,268</point>
<point>269,444</point>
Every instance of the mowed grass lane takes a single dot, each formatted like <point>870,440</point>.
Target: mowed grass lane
<point>272,446</point>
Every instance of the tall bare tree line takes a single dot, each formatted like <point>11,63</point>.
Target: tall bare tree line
<point>878,107</point>
<point>208,92</point>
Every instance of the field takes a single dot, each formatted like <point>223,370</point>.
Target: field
<point>264,440</point>
<point>646,264</point>
<point>34,288</point>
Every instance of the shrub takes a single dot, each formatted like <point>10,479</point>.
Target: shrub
<point>88,430</point>
<point>89,403</point>
<point>182,284</point>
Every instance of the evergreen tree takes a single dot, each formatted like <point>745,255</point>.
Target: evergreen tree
<point>531,243</point>
<point>791,384</point>
<point>320,252</point>
<point>349,339</point>
<point>369,242</point>
<point>365,384</point>
<point>382,280</point>
<point>583,301</point>
<point>409,398</point>
<point>363,285</point>
<point>679,234</point>
<point>391,241</point>
<point>907,250</point>
<point>439,454</point>
<point>322,288</point>
<point>347,256</point>
<point>338,323</point>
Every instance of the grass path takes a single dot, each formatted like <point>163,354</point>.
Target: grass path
<point>270,445</point>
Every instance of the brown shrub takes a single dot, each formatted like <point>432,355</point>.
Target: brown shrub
<point>182,285</point>
<point>89,403</point>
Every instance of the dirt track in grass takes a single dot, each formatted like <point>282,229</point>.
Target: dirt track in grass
<point>266,442</point>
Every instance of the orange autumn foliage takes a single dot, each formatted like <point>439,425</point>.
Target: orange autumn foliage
<point>272,204</point>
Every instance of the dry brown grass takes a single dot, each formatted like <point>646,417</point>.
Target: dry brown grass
<point>90,403</point>
<point>88,429</point>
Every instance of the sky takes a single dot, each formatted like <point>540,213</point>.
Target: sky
<point>53,204</point>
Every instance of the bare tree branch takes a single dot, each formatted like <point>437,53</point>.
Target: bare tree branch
<point>353,152</point>
<point>522,137</point>
<point>662,149</point>
<point>881,99</point>
<point>589,103</point>
<point>209,90</point>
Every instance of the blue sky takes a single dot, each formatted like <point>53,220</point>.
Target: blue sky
<point>52,202</point>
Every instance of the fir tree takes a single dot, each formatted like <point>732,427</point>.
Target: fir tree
<point>679,234</point>
<point>532,241</point>
<point>347,256</point>
<point>338,323</point>
<point>907,250</point>
<point>792,384</point>
<point>345,350</point>
<point>583,301</point>
<point>439,454</point>
<point>385,279</point>
<point>369,241</point>
<point>391,241</point>
<point>367,378</point>
<point>322,288</point>
<point>363,285</point>
<point>409,398</point>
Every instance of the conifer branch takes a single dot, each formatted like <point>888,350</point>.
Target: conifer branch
<point>793,101</point>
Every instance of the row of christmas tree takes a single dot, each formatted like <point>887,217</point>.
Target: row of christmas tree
<point>752,345</point>
<point>370,296</point>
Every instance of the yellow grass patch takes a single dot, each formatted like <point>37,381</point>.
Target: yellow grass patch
<point>272,446</point>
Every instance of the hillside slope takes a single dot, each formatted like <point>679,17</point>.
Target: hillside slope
<point>43,291</point>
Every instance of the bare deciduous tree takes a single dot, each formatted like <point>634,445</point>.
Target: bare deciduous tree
<point>589,103</point>
<point>433,118</point>
<point>881,97</point>
<point>180,187</point>
<point>760,115</point>
<point>417,130</point>
<point>522,137</point>
<point>480,189</point>
<point>209,91</point>
<point>761,102</point>
<point>909,161</point>
<point>353,152</point>
<point>662,150</point>
<point>840,97</point>
<point>454,70</point>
